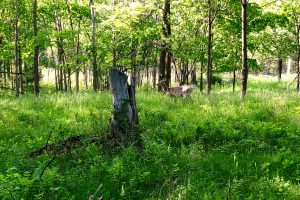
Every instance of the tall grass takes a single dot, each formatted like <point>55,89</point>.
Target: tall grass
<point>216,147</point>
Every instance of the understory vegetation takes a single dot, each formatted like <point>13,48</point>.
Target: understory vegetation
<point>215,147</point>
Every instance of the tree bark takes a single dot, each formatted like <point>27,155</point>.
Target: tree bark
<point>166,54</point>
<point>289,64</point>
<point>36,77</point>
<point>209,47</point>
<point>154,73</point>
<point>94,50</point>
<point>20,71</point>
<point>124,114</point>
<point>298,56</point>
<point>279,69</point>
<point>85,72</point>
<point>194,75</point>
<point>1,69</point>
<point>162,66</point>
<point>234,81</point>
<point>60,53</point>
<point>244,49</point>
<point>17,49</point>
<point>201,76</point>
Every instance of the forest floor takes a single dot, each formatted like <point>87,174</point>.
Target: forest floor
<point>216,147</point>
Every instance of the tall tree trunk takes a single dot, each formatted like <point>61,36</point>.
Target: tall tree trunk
<point>244,49</point>
<point>94,50</point>
<point>201,75</point>
<point>279,69</point>
<point>60,52</point>
<point>6,74</point>
<point>77,59</point>
<point>36,77</point>
<point>65,78</point>
<point>165,54</point>
<point>209,48</point>
<point>162,66</point>
<point>234,81</point>
<point>17,48</point>
<point>167,31</point>
<point>2,70</point>
<point>1,75</point>
<point>21,71</point>
<point>154,73</point>
<point>69,80</point>
<point>298,55</point>
<point>289,64</point>
<point>194,74</point>
<point>85,72</point>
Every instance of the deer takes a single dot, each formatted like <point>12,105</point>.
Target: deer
<point>179,91</point>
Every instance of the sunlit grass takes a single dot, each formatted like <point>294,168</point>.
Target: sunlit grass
<point>216,147</point>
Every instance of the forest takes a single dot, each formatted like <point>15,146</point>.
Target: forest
<point>149,99</point>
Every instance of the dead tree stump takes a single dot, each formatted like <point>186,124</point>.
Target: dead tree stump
<point>124,114</point>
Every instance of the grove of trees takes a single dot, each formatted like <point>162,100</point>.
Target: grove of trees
<point>184,41</point>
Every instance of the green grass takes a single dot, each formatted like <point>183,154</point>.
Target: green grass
<point>216,147</point>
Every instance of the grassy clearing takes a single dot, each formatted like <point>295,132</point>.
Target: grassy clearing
<point>216,147</point>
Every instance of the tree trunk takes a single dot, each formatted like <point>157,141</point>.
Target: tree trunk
<point>194,75</point>
<point>20,71</point>
<point>165,55</point>
<point>209,47</point>
<point>154,73</point>
<point>167,31</point>
<point>85,72</point>
<point>17,49</point>
<point>94,50</point>
<point>6,74</point>
<point>69,80</point>
<point>289,64</point>
<point>234,81</point>
<point>131,92</point>
<point>279,69</point>
<point>1,74</point>
<point>1,69</point>
<point>123,115</point>
<point>201,76</point>
<point>162,66</point>
<point>147,74</point>
<point>36,77</point>
<point>298,56</point>
<point>244,49</point>
<point>65,79</point>
<point>60,53</point>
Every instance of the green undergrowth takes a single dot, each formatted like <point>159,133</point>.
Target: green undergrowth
<point>216,147</point>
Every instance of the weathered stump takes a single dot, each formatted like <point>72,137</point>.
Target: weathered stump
<point>124,114</point>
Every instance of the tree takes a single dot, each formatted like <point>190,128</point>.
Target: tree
<point>244,48</point>
<point>165,54</point>
<point>36,51</point>
<point>94,49</point>
<point>292,11</point>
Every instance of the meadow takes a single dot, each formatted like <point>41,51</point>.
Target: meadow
<point>216,147</point>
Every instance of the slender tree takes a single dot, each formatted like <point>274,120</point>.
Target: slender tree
<point>17,48</point>
<point>298,55</point>
<point>36,51</point>
<point>209,47</point>
<point>94,50</point>
<point>165,54</point>
<point>244,48</point>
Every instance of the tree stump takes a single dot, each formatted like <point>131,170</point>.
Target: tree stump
<point>124,113</point>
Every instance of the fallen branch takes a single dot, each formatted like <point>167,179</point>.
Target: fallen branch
<point>292,82</point>
<point>59,147</point>
<point>67,145</point>
<point>46,166</point>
